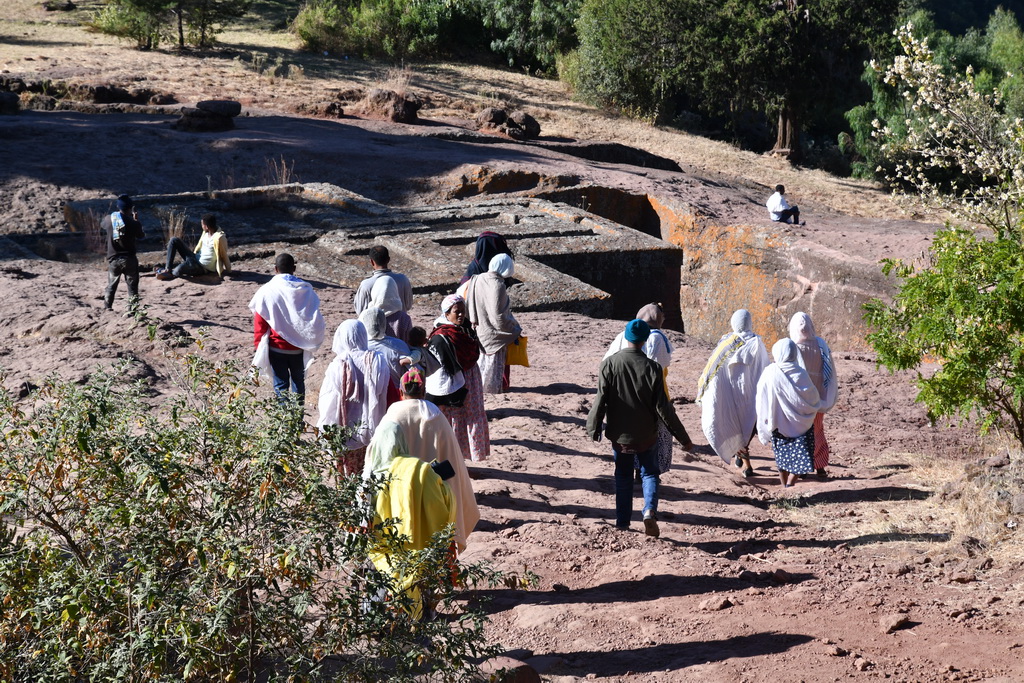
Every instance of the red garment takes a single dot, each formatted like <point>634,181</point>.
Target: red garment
<point>393,394</point>
<point>261,327</point>
<point>467,349</point>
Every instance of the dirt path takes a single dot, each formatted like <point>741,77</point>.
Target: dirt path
<point>808,578</point>
<point>743,585</point>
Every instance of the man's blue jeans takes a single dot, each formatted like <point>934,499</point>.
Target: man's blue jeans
<point>649,474</point>
<point>289,372</point>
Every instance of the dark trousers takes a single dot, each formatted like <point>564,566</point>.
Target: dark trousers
<point>189,265</point>
<point>289,373</point>
<point>116,267</point>
<point>791,214</point>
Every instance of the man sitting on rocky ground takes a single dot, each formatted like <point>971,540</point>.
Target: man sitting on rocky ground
<point>779,209</point>
<point>379,260</point>
<point>209,256</point>
<point>122,229</point>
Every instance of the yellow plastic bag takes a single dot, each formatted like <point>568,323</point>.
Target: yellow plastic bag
<point>516,353</point>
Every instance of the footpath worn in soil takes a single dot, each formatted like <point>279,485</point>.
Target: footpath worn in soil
<point>745,584</point>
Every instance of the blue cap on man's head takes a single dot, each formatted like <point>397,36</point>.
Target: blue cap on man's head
<point>637,331</point>
<point>124,203</point>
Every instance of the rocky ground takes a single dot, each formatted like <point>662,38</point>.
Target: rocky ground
<point>859,576</point>
<point>867,575</point>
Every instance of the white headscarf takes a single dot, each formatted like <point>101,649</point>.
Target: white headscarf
<point>503,265</point>
<point>350,346</point>
<point>353,391</point>
<point>374,320</point>
<point>786,397</point>
<point>349,339</point>
<point>742,324</point>
<point>801,329</point>
<point>384,295</point>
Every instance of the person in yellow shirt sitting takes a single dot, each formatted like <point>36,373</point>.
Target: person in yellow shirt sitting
<point>209,256</point>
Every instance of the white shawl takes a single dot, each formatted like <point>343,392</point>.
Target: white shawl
<point>292,309</point>
<point>728,404</point>
<point>786,398</point>
<point>801,330</point>
<point>354,390</point>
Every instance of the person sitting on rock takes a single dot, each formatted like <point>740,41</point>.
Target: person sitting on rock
<point>209,256</point>
<point>779,209</point>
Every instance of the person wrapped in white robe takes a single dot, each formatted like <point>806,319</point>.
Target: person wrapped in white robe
<point>727,391</point>
<point>354,390</point>
<point>787,402</point>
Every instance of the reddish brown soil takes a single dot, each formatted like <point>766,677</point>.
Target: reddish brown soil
<point>808,578</point>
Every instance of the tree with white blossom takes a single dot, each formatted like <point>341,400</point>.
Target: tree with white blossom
<point>962,303</point>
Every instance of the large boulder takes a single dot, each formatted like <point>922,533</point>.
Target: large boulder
<point>518,125</point>
<point>528,124</point>
<point>226,108</point>
<point>491,116</point>
<point>195,120</point>
<point>400,108</point>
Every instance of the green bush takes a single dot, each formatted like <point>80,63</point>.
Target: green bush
<point>320,26</point>
<point>211,540</point>
<point>961,304</point>
<point>397,29</point>
<point>629,54</point>
<point>531,33</point>
<point>124,20</point>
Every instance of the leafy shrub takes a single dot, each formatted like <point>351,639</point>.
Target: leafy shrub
<point>964,303</point>
<point>195,22</point>
<point>374,28</point>
<point>320,26</point>
<point>630,55</point>
<point>531,33</point>
<point>127,21</point>
<point>210,541</point>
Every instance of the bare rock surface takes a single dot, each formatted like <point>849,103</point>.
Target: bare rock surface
<point>609,605</point>
<point>735,257</point>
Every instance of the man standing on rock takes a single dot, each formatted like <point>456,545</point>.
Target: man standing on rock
<point>379,260</point>
<point>288,328</point>
<point>631,396</point>
<point>123,229</point>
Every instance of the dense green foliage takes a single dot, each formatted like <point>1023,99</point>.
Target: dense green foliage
<point>531,34</point>
<point>995,56</point>
<point>396,29</point>
<point>965,306</point>
<point>189,22</point>
<point>211,542</point>
<point>963,303</point>
<point>798,61</point>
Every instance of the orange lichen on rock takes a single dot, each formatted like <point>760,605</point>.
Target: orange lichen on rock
<point>726,268</point>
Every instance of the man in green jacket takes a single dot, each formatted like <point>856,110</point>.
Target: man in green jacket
<point>631,397</point>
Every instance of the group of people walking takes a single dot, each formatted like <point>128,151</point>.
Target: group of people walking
<point>405,392</point>
<point>742,394</point>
